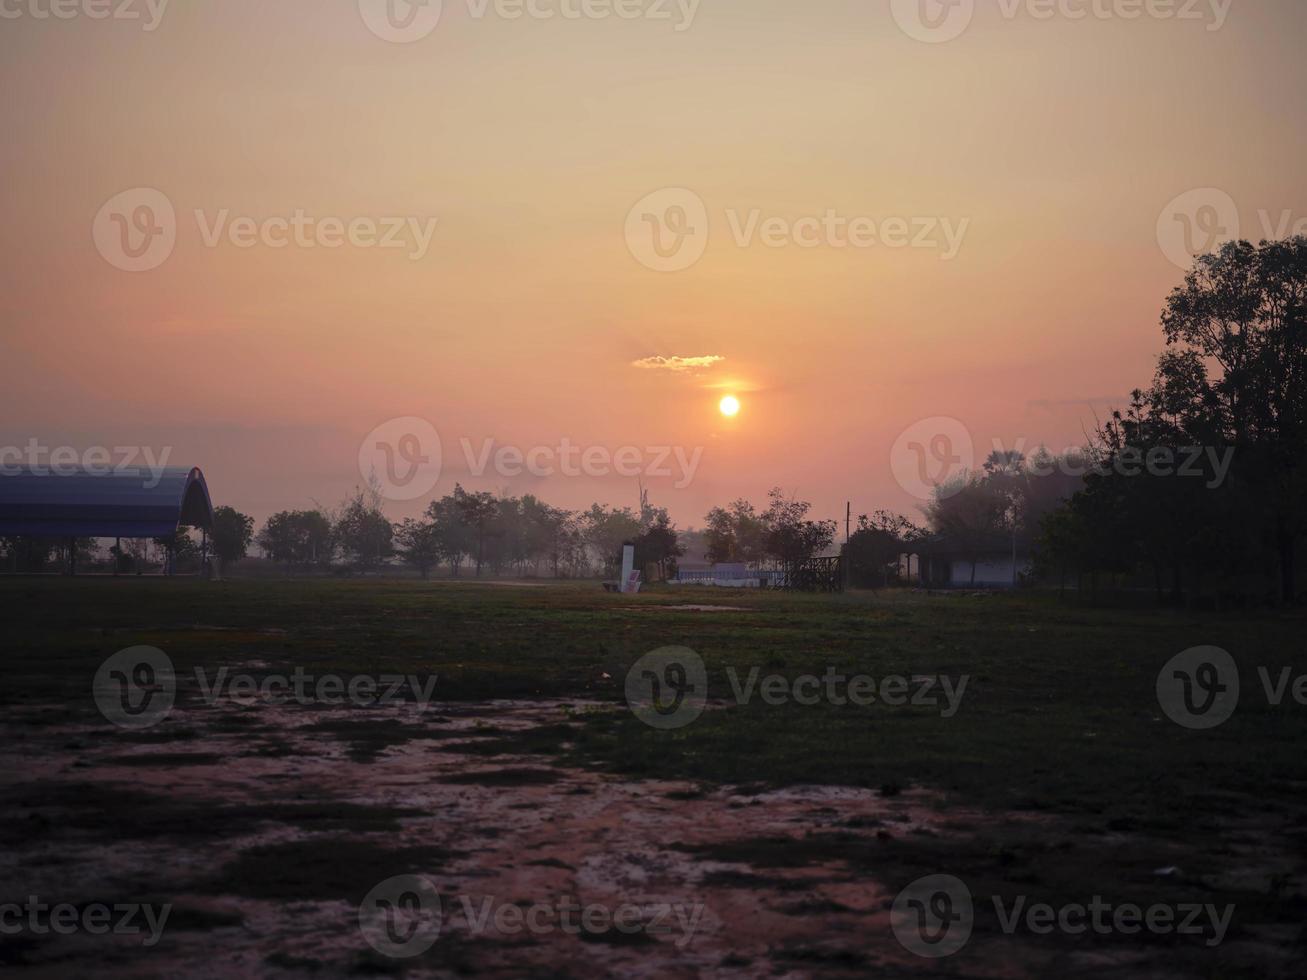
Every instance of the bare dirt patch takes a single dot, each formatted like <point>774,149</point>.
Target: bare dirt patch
<point>265,836</point>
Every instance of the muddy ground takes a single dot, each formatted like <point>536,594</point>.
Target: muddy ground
<point>264,828</point>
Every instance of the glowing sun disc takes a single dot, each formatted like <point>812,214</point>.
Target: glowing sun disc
<point>730,406</point>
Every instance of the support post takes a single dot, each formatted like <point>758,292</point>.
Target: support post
<point>628,566</point>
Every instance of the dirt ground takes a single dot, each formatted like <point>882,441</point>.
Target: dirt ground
<point>265,828</point>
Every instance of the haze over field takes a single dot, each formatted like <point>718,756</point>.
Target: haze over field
<point>1033,160</point>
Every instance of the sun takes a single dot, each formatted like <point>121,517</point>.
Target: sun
<point>730,406</point>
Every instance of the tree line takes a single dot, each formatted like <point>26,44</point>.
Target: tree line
<point>464,531</point>
<point>1232,382</point>
<point>1199,486</point>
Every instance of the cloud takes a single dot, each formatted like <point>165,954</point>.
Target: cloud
<point>677,363</point>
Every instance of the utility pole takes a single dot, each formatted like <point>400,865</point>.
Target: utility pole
<point>848,519</point>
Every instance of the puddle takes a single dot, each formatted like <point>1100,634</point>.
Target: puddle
<point>265,840</point>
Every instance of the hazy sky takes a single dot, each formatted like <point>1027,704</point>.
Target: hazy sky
<point>1050,148</point>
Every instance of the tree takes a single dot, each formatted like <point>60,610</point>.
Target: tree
<point>1232,382</point>
<point>738,533</point>
<point>477,511</point>
<point>550,533</point>
<point>232,534</point>
<point>452,535</point>
<point>789,535</point>
<point>969,513</point>
<point>1243,311</point>
<point>605,530</point>
<point>363,531</point>
<point>734,534</point>
<point>418,543</point>
<point>298,538</point>
<point>875,548</point>
<point>658,546</point>
<point>178,549</point>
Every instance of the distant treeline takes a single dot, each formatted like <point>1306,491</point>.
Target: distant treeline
<point>1199,488</point>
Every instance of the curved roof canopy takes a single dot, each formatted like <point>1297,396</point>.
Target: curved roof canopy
<point>128,503</point>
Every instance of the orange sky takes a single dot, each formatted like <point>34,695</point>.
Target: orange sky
<point>1058,142</point>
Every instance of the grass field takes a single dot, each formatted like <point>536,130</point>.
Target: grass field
<point>1058,777</point>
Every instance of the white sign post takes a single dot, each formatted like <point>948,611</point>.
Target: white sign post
<point>628,566</point>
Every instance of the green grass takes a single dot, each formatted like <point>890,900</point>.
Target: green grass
<point>1059,714</point>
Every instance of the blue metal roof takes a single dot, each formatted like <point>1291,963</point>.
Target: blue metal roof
<point>129,503</point>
